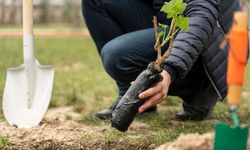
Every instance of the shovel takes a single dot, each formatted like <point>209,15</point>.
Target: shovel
<point>28,87</point>
<point>227,137</point>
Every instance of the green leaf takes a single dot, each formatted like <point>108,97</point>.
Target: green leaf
<point>167,8</point>
<point>160,34</point>
<point>174,8</point>
<point>182,22</point>
<point>163,26</point>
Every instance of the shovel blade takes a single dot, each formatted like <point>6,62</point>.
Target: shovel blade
<point>15,98</point>
<point>230,138</point>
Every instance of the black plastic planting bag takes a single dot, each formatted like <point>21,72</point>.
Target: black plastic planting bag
<point>127,108</point>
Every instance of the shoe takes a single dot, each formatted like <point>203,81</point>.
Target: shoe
<point>186,116</point>
<point>106,113</point>
<point>200,107</point>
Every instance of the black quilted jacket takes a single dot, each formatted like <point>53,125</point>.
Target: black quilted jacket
<point>203,38</point>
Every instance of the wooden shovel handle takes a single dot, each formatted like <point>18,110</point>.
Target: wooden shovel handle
<point>28,17</point>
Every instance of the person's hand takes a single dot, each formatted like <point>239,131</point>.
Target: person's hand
<point>155,94</point>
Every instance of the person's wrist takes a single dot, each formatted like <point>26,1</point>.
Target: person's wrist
<point>166,77</point>
<point>171,71</point>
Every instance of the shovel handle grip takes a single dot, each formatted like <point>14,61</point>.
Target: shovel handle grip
<point>28,17</point>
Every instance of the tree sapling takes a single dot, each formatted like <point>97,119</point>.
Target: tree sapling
<point>127,108</point>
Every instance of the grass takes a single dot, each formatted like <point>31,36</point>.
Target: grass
<point>48,25</point>
<point>81,82</point>
<point>4,141</point>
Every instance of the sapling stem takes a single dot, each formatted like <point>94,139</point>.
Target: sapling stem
<point>160,58</point>
<point>157,46</point>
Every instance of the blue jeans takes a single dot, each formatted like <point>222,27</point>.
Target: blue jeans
<point>123,33</point>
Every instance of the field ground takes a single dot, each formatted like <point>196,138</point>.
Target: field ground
<point>41,32</point>
<point>81,88</point>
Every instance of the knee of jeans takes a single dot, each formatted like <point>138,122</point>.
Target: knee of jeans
<point>120,60</point>
<point>116,61</point>
<point>110,57</point>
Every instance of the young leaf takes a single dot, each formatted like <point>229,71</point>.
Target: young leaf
<point>160,34</point>
<point>174,8</point>
<point>167,8</point>
<point>164,26</point>
<point>180,6</point>
<point>182,22</point>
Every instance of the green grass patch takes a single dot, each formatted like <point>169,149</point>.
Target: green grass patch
<point>47,25</point>
<point>4,141</point>
<point>90,119</point>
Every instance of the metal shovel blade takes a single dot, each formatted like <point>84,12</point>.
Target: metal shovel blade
<point>17,110</point>
<point>230,138</point>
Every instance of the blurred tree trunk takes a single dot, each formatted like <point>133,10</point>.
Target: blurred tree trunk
<point>12,17</point>
<point>67,11</point>
<point>77,16</point>
<point>2,11</point>
<point>44,13</point>
<point>71,13</point>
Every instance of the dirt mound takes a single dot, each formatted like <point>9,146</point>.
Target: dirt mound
<point>53,133</point>
<point>57,132</point>
<point>192,142</point>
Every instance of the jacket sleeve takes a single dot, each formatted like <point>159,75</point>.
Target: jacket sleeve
<point>189,44</point>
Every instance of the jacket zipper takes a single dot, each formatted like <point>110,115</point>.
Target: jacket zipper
<point>217,91</point>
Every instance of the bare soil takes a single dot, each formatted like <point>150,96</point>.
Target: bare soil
<point>58,132</point>
<point>192,142</point>
<point>53,132</point>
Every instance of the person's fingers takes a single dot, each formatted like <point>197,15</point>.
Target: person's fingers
<point>154,100</point>
<point>151,91</point>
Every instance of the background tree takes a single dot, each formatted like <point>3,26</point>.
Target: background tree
<point>13,12</point>
<point>44,13</point>
<point>2,11</point>
<point>71,13</point>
